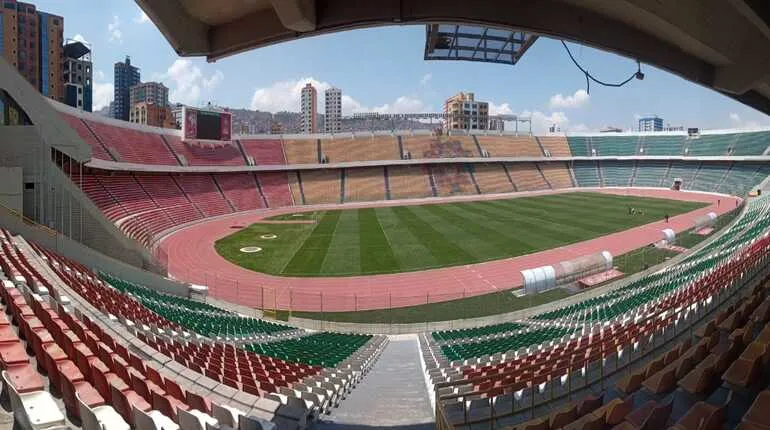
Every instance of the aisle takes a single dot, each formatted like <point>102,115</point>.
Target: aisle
<point>392,395</point>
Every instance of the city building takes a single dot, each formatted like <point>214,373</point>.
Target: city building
<point>176,114</point>
<point>309,123</point>
<point>333,110</point>
<point>32,42</point>
<point>78,75</point>
<point>149,92</point>
<point>497,124</point>
<point>126,76</point>
<point>152,114</point>
<point>465,113</point>
<point>651,123</point>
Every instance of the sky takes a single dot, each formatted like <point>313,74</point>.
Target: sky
<point>382,69</point>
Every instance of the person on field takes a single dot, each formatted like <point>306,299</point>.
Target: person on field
<point>666,218</point>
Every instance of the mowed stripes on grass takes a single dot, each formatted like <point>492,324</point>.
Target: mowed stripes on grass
<point>409,238</point>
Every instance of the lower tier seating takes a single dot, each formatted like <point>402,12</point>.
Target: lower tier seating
<point>527,177</point>
<point>492,178</point>
<point>365,184</point>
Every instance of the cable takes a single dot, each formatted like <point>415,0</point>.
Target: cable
<point>638,74</point>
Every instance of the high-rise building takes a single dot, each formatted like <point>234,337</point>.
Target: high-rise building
<point>32,42</point>
<point>126,76</point>
<point>465,113</point>
<point>651,123</point>
<point>309,123</point>
<point>78,75</point>
<point>333,110</point>
<point>152,114</point>
<point>149,92</point>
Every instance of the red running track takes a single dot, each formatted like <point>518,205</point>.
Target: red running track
<point>192,258</point>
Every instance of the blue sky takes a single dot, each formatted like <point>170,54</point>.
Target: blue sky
<point>383,69</point>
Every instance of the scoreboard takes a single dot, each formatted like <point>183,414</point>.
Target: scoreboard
<point>206,125</point>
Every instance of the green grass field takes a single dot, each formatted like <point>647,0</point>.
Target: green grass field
<point>410,238</point>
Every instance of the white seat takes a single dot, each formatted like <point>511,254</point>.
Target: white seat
<point>101,417</point>
<point>32,411</point>
<point>153,420</point>
<point>194,419</point>
<point>225,415</point>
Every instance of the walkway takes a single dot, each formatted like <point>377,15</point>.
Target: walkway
<point>392,395</point>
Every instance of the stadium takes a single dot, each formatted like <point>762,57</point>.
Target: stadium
<point>392,277</point>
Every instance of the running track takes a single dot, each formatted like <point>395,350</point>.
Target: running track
<point>192,258</point>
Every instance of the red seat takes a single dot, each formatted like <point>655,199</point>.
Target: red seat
<point>167,405</point>
<point>87,393</point>
<point>198,402</point>
<point>125,401</point>
<point>12,353</point>
<point>25,378</point>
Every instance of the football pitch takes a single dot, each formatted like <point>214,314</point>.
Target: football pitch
<point>410,238</point>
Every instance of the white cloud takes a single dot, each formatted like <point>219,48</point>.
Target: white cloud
<point>737,122</point>
<point>214,81</point>
<point>541,122</point>
<point>103,93</point>
<point>558,101</point>
<point>501,109</point>
<point>113,29</point>
<point>580,127</point>
<point>285,96</point>
<point>142,17</point>
<point>186,82</point>
<point>79,37</point>
<point>425,80</point>
<point>98,75</point>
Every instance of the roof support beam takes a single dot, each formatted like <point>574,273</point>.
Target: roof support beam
<point>296,15</point>
<point>187,35</point>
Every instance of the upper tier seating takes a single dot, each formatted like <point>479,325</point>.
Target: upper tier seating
<point>97,149</point>
<point>439,146</point>
<point>264,151</point>
<point>510,146</point>
<point>321,186</point>
<point>614,145</point>
<point>661,145</point>
<point>556,146</point>
<point>491,178</point>
<point>526,177</point>
<point>557,174</point>
<point>342,150</point>
<point>586,173</point>
<point>710,144</point>
<point>134,146</point>
<point>204,193</point>
<point>301,151</point>
<point>751,143</point>
<point>452,180</point>
<point>196,153</point>
<point>364,184</point>
<point>240,189</point>
<point>275,188</point>
<point>408,182</point>
<point>579,146</point>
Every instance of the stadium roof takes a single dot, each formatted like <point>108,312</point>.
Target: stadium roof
<point>473,43</point>
<point>721,44</point>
